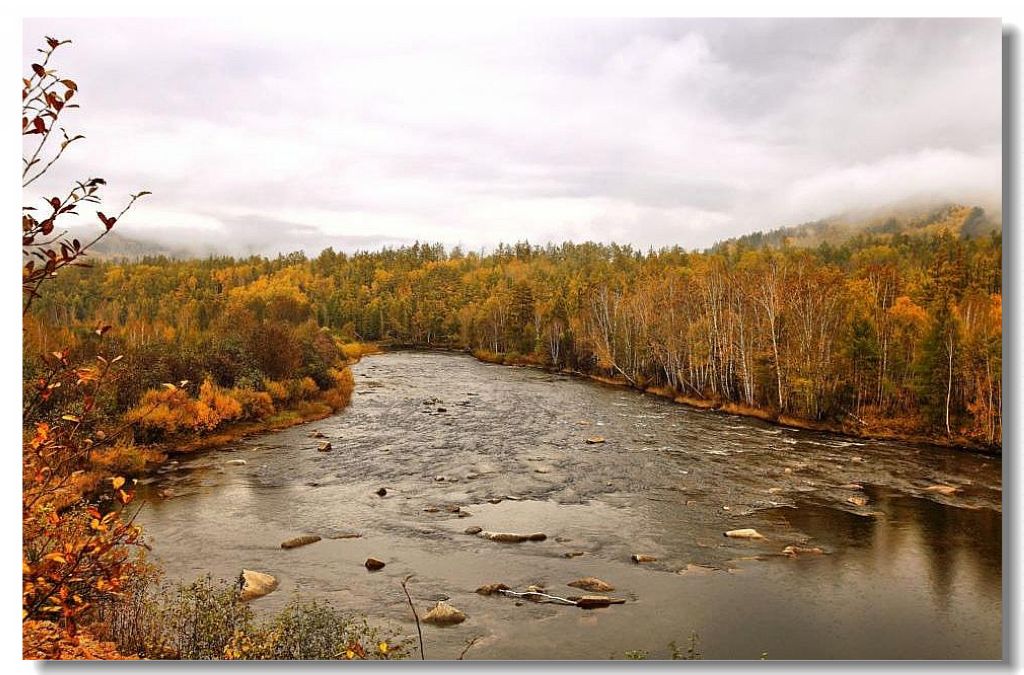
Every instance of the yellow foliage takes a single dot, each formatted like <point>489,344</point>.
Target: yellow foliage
<point>276,390</point>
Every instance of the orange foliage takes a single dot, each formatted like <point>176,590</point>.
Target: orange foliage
<point>46,640</point>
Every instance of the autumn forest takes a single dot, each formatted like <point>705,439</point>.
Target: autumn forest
<point>335,397</point>
<point>895,330</point>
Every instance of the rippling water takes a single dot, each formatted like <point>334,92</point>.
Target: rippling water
<point>910,574</point>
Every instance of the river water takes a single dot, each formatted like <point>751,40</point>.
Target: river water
<point>908,574</point>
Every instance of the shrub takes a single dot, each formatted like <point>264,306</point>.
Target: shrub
<point>256,405</point>
<point>276,390</point>
<point>206,620</point>
<point>340,395</point>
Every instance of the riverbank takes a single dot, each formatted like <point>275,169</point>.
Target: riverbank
<point>331,401</point>
<point>866,430</point>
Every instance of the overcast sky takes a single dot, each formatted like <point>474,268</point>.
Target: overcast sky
<point>286,134</point>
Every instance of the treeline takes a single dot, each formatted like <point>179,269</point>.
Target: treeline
<point>891,329</point>
<point>188,364</point>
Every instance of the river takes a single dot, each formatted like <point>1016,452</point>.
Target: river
<point>909,574</point>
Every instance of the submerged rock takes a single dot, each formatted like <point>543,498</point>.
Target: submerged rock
<point>794,551</point>
<point>512,537</point>
<point>592,584</point>
<point>443,614</point>
<point>301,541</point>
<point>256,585</point>
<point>640,558</point>
<point>317,434</point>
<point>373,564</point>
<point>744,533</point>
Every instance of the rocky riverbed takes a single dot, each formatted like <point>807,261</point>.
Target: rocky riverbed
<point>862,549</point>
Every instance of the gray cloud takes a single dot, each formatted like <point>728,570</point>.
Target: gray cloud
<point>284,135</point>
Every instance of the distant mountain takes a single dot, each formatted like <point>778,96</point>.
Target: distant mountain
<point>961,221</point>
<point>116,246</point>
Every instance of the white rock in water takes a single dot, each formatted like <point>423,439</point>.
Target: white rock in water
<point>943,489</point>
<point>744,533</point>
<point>444,614</point>
<point>235,462</point>
<point>256,585</point>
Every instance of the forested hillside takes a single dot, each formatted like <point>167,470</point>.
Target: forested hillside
<point>894,328</point>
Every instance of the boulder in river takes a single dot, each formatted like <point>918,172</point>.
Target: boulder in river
<point>858,501</point>
<point>318,434</point>
<point>851,486</point>
<point>640,558</point>
<point>592,584</point>
<point>381,492</point>
<point>594,601</point>
<point>744,533</point>
<point>373,564</point>
<point>235,462</point>
<point>256,585</point>
<point>325,447</point>
<point>474,529</point>
<point>594,440</point>
<point>443,614</point>
<point>491,589</point>
<point>300,541</point>
<point>513,537</point>
<point>796,551</point>
<point>942,489</point>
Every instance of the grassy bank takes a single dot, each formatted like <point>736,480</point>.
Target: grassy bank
<point>164,412</point>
